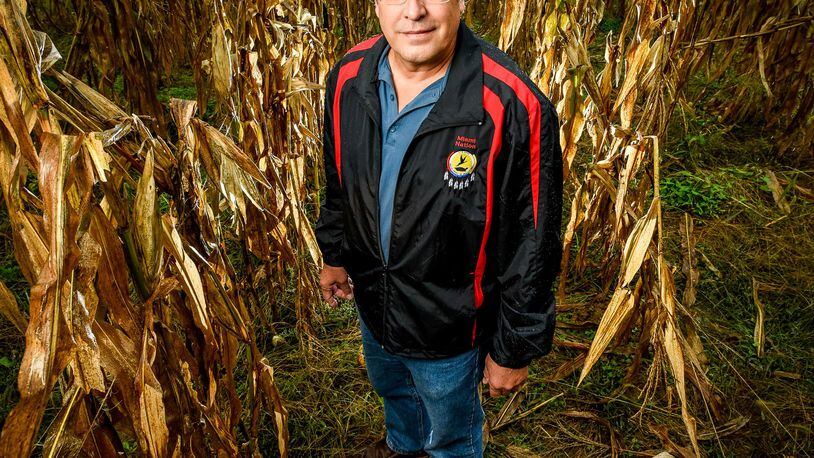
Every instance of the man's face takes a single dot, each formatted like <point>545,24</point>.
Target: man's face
<point>419,31</point>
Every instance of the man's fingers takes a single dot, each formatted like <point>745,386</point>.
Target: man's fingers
<point>336,286</point>
<point>327,294</point>
<point>346,289</point>
<point>496,392</point>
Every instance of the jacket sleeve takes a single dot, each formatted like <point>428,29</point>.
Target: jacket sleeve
<point>527,254</point>
<point>329,228</point>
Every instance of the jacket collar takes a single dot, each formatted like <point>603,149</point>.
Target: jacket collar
<point>462,99</point>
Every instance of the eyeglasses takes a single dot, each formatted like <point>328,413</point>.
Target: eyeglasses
<point>401,2</point>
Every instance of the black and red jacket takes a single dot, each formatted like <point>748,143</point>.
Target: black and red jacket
<point>474,252</point>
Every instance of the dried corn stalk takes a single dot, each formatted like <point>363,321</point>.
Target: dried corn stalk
<point>135,305</point>
<point>624,106</point>
<point>769,42</point>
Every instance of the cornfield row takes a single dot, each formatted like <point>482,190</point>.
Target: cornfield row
<point>137,311</point>
<point>625,105</point>
<point>125,224</point>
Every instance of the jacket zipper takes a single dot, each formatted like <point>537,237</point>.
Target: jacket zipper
<point>393,213</point>
<point>378,157</point>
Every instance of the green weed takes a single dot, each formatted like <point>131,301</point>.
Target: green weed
<point>696,194</point>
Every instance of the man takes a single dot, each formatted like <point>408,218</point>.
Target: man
<point>443,205</point>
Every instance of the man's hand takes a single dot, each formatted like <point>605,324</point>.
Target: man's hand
<point>335,284</point>
<point>503,380</point>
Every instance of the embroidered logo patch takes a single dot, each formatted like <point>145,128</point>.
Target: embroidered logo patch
<point>460,165</point>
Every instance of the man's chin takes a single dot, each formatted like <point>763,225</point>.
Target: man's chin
<point>416,54</point>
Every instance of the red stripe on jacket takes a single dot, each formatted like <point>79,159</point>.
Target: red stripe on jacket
<point>346,72</point>
<point>529,100</point>
<point>494,107</point>
<point>367,44</point>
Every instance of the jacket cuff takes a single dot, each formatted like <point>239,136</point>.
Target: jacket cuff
<point>331,257</point>
<point>522,337</point>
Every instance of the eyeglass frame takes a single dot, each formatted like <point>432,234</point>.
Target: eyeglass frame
<point>431,2</point>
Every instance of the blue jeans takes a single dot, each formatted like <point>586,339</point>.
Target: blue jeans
<point>429,404</point>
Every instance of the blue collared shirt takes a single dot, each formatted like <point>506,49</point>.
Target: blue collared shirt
<point>398,130</point>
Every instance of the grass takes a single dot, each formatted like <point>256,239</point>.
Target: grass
<point>743,235</point>
<point>696,194</point>
<point>332,408</point>
<point>182,86</point>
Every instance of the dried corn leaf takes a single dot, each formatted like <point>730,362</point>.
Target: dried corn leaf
<point>101,159</point>
<point>275,403</point>
<point>152,415</point>
<point>44,357</point>
<point>514,11</point>
<point>690,264</point>
<point>221,61</point>
<point>190,278</point>
<point>674,348</point>
<point>112,284</point>
<point>632,155</point>
<point>97,106</point>
<point>759,335</point>
<point>572,129</point>
<point>221,146</point>
<point>11,116</point>
<point>88,368</point>
<point>614,319</point>
<point>10,310</point>
<point>18,47</point>
<point>638,242</point>
<point>636,60</point>
<point>146,225</point>
<point>777,192</point>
